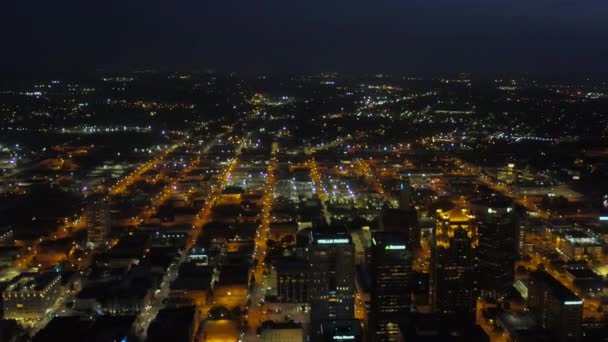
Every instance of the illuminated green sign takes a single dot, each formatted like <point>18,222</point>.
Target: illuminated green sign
<point>394,247</point>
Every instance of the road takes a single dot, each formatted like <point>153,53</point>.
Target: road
<point>505,190</point>
<point>148,315</point>
<point>68,227</point>
<point>256,315</point>
<point>364,169</point>
<point>315,175</point>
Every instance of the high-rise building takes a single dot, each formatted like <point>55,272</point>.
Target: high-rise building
<point>342,330</point>
<point>405,195</point>
<point>390,271</point>
<point>331,259</point>
<point>497,228</point>
<point>556,308</point>
<point>403,219</point>
<point>454,263</point>
<point>97,216</point>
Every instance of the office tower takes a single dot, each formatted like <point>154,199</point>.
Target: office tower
<point>391,269</point>
<point>405,196</point>
<point>331,266</point>
<point>497,228</point>
<point>404,219</point>
<point>556,308</point>
<point>454,263</point>
<point>97,216</point>
<point>343,330</point>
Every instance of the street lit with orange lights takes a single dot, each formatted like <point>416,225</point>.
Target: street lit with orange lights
<point>320,191</point>
<point>122,185</point>
<point>255,314</point>
<point>367,171</point>
<point>68,227</point>
<point>199,220</point>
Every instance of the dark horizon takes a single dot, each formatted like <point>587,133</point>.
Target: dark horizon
<point>435,36</point>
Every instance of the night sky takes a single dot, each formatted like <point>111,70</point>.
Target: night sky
<point>308,35</point>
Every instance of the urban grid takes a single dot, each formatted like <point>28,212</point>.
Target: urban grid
<point>196,204</point>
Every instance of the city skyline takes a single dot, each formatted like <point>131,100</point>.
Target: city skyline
<point>308,171</point>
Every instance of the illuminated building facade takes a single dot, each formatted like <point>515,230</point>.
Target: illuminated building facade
<point>391,269</point>
<point>453,287</point>
<point>507,175</point>
<point>331,268</point>
<point>556,308</point>
<point>340,331</point>
<point>31,296</point>
<point>580,245</point>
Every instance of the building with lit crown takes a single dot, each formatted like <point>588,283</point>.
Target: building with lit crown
<point>453,284</point>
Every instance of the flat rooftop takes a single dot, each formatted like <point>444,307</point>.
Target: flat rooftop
<point>31,282</point>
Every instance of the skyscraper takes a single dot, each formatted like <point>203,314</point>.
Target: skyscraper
<point>403,219</point>
<point>497,228</point>
<point>391,268</point>
<point>454,263</point>
<point>97,216</point>
<point>331,262</point>
<point>405,196</point>
<point>556,308</point>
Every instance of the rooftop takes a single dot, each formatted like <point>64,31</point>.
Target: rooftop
<point>455,215</point>
<point>32,281</point>
<point>581,238</point>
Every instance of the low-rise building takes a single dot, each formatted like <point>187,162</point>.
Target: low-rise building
<point>579,245</point>
<point>281,332</point>
<point>176,325</point>
<point>31,295</point>
<point>193,284</point>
